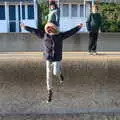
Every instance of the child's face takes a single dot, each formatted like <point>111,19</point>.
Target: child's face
<point>52,7</point>
<point>51,31</point>
<point>94,9</point>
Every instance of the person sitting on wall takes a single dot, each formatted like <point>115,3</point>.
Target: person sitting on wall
<point>93,24</point>
<point>53,43</point>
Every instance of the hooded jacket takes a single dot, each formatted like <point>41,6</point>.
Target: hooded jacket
<point>53,44</point>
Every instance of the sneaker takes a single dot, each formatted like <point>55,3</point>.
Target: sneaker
<point>94,53</point>
<point>50,93</point>
<point>61,79</point>
<point>90,53</point>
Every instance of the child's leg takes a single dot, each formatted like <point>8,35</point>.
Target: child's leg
<point>49,79</point>
<point>57,70</point>
<point>49,74</point>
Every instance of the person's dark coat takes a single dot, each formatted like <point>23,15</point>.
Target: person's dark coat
<point>93,22</point>
<point>53,44</point>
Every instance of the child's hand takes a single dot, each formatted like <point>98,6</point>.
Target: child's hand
<point>80,25</point>
<point>22,26</point>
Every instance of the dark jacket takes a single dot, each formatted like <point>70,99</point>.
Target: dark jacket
<point>93,22</point>
<point>53,44</point>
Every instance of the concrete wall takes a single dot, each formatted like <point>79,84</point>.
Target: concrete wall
<point>13,42</point>
<point>92,85</point>
<point>106,42</point>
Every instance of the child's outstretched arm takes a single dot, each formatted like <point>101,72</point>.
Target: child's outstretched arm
<point>37,32</point>
<point>71,32</point>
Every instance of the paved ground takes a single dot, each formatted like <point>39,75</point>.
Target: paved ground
<point>94,116</point>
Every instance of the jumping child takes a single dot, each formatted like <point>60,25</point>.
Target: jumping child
<point>53,44</point>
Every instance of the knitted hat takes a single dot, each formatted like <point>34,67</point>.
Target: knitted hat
<point>51,28</point>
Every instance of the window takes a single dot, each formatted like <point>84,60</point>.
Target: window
<point>23,12</point>
<point>12,26</point>
<point>65,10</point>
<point>12,15</point>
<point>30,12</point>
<point>87,10</point>
<point>2,12</point>
<point>74,9</point>
<point>12,18</point>
<point>81,10</point>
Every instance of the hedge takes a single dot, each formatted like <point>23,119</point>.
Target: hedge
<point>110,17</point>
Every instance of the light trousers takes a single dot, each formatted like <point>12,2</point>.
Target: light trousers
<point>52,68</point>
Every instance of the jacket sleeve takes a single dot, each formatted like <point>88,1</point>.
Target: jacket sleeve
<point>69,33</point>
<point>88,23</point>
<point>100,24</point>
<point>37,32</point>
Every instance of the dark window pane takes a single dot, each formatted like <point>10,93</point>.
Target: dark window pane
<point>19,12</point>
<point>2,12</point>
<point>23,11</point>
<point>12,26</point>
<point>12,15</point>
<point>30,12</point>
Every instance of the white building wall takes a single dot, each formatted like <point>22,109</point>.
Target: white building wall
<point>66,23</point>
<point>3,26</point>
<point>69,22</point>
